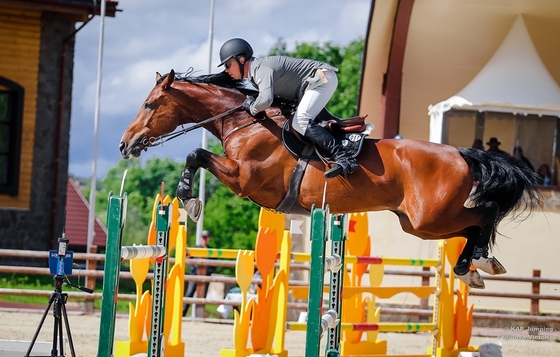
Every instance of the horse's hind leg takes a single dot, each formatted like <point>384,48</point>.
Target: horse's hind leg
<point>489,265</point>
<point>476,249</point>
<point>462,268</point>
<point>480,254</point>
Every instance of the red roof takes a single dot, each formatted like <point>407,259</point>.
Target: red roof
<point>77,212</point>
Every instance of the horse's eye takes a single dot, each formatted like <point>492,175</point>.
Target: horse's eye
<point>148,105</point>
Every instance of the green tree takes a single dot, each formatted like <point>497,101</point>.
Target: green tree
<point>231,219</point>
<point>142,184</point>
<point>348,60</point>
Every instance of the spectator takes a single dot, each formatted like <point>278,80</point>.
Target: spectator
<point>518,153</point>
<point>477,144</point>
<point>193,270</point>
<point>494,146</point>
<point>545,176</point>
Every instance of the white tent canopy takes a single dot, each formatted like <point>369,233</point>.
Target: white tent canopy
<point>514,80</point>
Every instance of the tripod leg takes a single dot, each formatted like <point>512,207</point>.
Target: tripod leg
<point>39,327</point>
<point>60,334</point>
<point>57,329</point>
<point>68,333</point>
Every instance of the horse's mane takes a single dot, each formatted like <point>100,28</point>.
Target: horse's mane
<point>221,79</point>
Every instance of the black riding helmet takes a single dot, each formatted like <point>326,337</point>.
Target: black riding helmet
<point>234,48</point>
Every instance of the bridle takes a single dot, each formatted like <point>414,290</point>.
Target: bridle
<point>154,141</point>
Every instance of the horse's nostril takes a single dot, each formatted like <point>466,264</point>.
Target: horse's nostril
<point>122,145</point>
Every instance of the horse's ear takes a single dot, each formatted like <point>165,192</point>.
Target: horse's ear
<point>158,77</point>
<point>168,80</point>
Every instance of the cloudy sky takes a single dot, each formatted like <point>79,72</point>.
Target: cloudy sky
<point>151,36</point>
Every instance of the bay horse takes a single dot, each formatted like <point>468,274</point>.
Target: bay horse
<point>428,186</point>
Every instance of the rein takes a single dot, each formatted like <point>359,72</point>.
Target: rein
<point>254,121</point>
<point>166,137</point>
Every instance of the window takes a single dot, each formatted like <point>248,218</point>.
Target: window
<point>11,112</point>
<point>537,134</point>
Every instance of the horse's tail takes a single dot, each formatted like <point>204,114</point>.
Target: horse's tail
<point>505,180</point>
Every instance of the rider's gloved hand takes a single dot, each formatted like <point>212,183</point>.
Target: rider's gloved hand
<point>247,104</point>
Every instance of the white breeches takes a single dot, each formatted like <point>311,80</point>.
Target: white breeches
<point>313,101</point>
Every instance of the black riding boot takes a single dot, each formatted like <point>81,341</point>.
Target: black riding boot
<point>326,143</point>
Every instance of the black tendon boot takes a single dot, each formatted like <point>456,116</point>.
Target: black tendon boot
<point>326,143</point>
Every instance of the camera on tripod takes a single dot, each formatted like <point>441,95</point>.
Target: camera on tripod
<point>60,264</point>
<point>61,260</point>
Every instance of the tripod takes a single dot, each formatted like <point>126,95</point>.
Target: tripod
<point>58,298</point>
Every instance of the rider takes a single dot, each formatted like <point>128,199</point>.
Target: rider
<point>310,83</point>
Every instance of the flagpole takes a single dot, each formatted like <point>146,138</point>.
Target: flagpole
<point>91,216</point>
<point>204,144</point>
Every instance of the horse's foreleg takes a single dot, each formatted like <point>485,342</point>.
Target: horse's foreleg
<point>219,166</point>
<point>192,205</point>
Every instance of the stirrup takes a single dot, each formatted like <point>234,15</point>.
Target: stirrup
<point>334,171</point>
<point>345,167</point>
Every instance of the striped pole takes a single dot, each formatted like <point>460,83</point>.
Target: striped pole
<point>381,326</point>
<point>142,251</point>
<point>212,253</point>
<point>352,259</point>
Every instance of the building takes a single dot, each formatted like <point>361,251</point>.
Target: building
<point>501,58</point>
<point>36,72</point>
<point>452,71</point>
<point>76,222</point>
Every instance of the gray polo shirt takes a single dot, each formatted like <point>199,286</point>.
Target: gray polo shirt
<point>281,76</point>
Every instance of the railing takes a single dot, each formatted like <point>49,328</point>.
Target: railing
<point>534,296</point>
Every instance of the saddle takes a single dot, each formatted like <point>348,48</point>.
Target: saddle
<point>349,133</point>
<point>333,123</point>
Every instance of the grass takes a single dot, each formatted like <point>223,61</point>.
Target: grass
<point>38,282</point>
<point>17,281</point>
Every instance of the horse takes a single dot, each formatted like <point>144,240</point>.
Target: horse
<point>429,186</point>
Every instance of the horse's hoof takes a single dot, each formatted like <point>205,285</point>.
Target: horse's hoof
<point>489,265</point>
<point>193,207</point>
<point>473,279</point>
